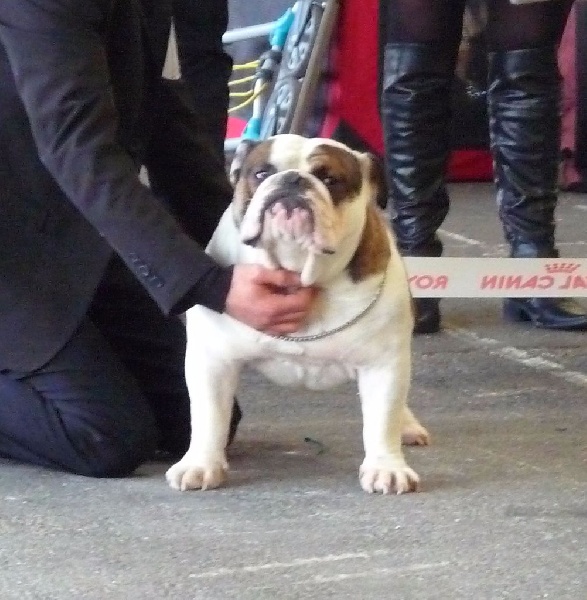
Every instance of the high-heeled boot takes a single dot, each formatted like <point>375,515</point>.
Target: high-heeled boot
<point>416,117</point>
<point>523,105</point>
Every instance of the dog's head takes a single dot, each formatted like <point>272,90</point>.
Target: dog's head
<point>309,194</point>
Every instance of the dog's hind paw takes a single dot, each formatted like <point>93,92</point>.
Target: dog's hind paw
<point>185,475</point>
<point>414,434</point>
<point>384,477</point>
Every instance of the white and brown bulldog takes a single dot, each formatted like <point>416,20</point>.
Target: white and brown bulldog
<point>310,206</point>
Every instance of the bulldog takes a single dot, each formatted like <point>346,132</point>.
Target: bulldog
<point>310,206</point>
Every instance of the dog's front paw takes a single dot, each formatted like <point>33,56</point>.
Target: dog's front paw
<point>190,474</point>
<point>388,475</point>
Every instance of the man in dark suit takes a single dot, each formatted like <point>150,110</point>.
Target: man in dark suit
<point>206,66</point>
<point>94,266</point>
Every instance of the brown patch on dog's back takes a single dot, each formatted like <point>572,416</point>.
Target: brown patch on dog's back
<point>330,161</point>
<point>373,252</point>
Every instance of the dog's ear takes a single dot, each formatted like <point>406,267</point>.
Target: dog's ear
<point>242,151</point>
<point>376,174</point>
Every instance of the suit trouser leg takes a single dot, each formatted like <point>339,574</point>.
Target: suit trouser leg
<point>113,395</point>
<point>151,348</point>
<point>81,412</point>
<point>110,397</point>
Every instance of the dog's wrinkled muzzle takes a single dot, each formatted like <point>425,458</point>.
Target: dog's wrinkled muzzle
<point>293,218</point>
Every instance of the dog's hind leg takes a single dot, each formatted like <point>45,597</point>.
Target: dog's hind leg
<point>413,432</point>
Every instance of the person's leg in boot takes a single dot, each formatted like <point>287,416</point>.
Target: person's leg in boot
<point>420,40</point>
<point>524,115</point>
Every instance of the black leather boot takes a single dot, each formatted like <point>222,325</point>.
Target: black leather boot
<point>523,105</point>
<point>416,116</point>
<point>546,313</point>
<point>427,315</point>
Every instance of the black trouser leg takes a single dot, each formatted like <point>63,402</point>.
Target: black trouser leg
<point>82,412</point>
<point>152,349</point>
<point>110,397</point>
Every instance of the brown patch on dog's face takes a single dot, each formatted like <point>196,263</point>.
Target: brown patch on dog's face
<point>373,252</point>
<point>254,166</point>
<point>339,170</point>
<point>276,178</point>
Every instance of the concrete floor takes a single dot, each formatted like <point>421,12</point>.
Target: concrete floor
<point>502,513</point>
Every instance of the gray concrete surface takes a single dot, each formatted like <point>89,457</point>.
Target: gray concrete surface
<point>502,513</point>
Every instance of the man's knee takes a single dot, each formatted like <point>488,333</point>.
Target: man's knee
<point>112,454</point>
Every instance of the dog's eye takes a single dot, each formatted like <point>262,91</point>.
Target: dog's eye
<point>261,174</point>
<point>330,180</point>
<point>327,177</point>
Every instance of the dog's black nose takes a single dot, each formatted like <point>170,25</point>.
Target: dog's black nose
<point>292,178</point>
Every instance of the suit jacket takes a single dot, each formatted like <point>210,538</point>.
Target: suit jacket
<point>82,105</point>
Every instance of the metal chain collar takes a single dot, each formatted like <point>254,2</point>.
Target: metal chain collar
<point>319,336</point>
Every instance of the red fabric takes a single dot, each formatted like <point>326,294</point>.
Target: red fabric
<point>470,165</point>
<point>235,127</point>
<point>353,93</point>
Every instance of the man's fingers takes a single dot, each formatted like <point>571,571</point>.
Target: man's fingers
<point>285,328</point>
<point>269,300</point>
<point>278,278</point>
<point>295,303</point>
<point>293,319</point>
<point>284,323</point>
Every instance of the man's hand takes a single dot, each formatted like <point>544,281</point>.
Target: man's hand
<point>271,301</point>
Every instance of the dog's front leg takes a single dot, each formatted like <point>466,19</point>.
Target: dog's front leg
<point>212,383</point>
<point>383,392</point>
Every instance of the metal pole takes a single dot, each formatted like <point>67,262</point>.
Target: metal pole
<point>312,77</point>
<point>248,33</point>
